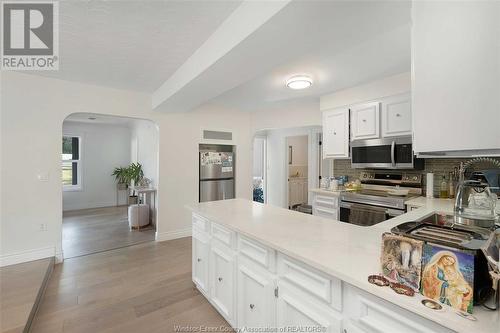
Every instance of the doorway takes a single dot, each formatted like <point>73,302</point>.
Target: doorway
<point>297,170</point>
<point>109,180</point>
<point>259,182</point>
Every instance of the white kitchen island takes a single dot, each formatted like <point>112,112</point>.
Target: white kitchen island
<point>264,266</point>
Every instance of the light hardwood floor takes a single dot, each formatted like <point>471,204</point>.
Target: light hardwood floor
<point>99,229</point>
<point>19,291</point>
<point>141,288</point>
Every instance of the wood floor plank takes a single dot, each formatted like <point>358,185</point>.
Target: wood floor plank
<point>20,286</point>
<point>94,230</point>
<point>142,288</point>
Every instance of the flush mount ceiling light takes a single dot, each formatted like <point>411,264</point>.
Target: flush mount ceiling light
<point>299,82</point>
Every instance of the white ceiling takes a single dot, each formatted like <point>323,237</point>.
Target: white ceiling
<point>139,45</point>
<point>83,117</point>
<point>133,45</point>
<point>339,44</point>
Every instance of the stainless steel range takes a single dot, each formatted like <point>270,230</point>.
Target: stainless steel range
<point>383,196</point>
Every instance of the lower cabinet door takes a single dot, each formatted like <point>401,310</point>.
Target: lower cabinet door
<point>298,312</point>
<point>200,263</point>
<point>256,301</point>
<point>222,282</point>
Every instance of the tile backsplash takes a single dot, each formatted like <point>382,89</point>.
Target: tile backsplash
<point>438,166</point>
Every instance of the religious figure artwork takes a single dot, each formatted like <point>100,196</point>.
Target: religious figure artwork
<point>401,260</point>
<point>448,277</point>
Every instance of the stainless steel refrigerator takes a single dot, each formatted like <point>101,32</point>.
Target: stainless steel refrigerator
<point>216,176</point>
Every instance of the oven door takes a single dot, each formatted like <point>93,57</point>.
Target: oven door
<point>366,215</point>
<point>388,153</point>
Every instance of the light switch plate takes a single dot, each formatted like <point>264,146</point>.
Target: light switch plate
<point>43,176</point>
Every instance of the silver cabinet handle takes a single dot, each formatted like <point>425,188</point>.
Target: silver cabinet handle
<point>252,306</point>
<point>334,133</point>
<point>364,120</point>
<point>199,259</point>
<point>220,279</point>
<point>398,115</point>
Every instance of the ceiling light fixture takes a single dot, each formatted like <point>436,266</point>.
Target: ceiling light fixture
<point>299,82</point>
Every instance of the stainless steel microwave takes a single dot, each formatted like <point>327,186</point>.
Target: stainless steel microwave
<point>386,153</point>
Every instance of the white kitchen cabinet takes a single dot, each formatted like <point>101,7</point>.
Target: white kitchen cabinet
<point>200,251</point>
<point>336,133</point>
<point>396,116</point>
<point>222,281</point>
<point>252,285</point>
<point>326,206</point>
<point>256,300</point>
<point>297,309</point>
<point>297,191</point>
<point>368,313</point>
<point>456,77</point>
<point>365,121</point>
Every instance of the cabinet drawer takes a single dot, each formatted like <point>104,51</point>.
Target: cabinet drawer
<point>314,282</point>
<point>325,212</point>
<point>257,252</point>
<point>223,234</point>
<point>326,201</point>
<point>200,223</point>
<point>298,309</point>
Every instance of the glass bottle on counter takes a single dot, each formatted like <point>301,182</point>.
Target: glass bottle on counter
<point>443,189</point>
<point>451,192</point>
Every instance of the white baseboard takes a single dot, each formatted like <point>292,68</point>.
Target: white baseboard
<point>28,255</point>
<point>89,205</point>
<point>164,236</point>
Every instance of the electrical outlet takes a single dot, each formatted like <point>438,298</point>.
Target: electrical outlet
<point>43,227</point>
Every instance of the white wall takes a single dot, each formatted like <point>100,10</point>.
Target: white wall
<point>258,157</point>
<point>103,147</point>
<point>144,148</point>
<point>392,85</point>
<point>32,112</point>
<point>277,166</point>
<point>289,114</point>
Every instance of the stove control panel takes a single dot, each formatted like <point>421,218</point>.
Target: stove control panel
<point>390,178</point>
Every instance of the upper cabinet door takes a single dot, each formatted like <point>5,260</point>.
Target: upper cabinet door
<point>336,133</point>
<point>365,121</point>
<point>396,116</point>
<point>456,77</point>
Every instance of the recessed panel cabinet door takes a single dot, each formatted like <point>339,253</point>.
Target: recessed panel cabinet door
<point>222,281</point>
<point>300,311</point>
<point>200,263</point>
<point>336,133</point>
<point>396,116</point>
<point>365,121</point>
<point>256,302</point>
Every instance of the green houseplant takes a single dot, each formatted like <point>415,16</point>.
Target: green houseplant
<point>131,175</point>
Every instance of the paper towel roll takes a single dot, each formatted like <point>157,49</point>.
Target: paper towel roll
<point>429,190</point>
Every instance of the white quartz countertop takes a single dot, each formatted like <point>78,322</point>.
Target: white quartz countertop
<point>426,202</point>
<point>326,192</point>
<point>348,252</point>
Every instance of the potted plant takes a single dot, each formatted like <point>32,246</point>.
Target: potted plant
<point>120,174</point>
<point>131,176</point>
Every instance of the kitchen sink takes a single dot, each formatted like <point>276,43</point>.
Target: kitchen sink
<point>447,230</point>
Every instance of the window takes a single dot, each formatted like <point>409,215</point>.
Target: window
<point>71,163</point>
